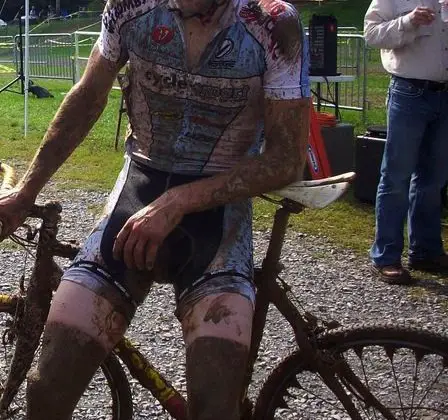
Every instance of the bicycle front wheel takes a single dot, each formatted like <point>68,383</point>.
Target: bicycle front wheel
<point>405,369</point>
<point>107,397</point>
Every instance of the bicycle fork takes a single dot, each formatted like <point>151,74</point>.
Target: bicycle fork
<point>31,323</point>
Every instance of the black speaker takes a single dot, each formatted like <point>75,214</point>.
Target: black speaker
<point>323,42</point>
<point>368,156</point>
<point>339,144</point>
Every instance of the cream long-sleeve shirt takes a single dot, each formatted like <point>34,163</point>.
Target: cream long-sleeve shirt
<point>408,51</point>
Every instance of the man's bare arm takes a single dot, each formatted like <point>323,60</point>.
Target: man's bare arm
<point>78,113</point>
<point>286,132</point>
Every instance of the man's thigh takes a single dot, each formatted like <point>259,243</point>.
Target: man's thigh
<point>409,114</point>
<point>433,168</point>
<point>75,306</point>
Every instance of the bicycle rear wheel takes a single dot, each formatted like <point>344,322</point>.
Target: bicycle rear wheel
<point>108,395</point>
<point>406,369</point>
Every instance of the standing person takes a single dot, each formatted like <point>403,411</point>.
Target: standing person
<point>414,50</point>
<point>208,80</point>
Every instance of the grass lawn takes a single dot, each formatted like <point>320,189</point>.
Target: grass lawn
<point>96,164</point>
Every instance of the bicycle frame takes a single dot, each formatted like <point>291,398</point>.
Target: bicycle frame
<point>46,277</point>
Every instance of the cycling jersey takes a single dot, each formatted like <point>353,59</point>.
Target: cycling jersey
<point>186,124</point>
<point>201,120</point>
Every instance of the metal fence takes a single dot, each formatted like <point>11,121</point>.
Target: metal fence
<point>83,42</point>
<point>350,89</point>
<point>51,56</point>
<point>64,56</point>
<point>7,54</point>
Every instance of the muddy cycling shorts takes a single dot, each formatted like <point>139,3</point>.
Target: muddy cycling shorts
<point>209,252</point>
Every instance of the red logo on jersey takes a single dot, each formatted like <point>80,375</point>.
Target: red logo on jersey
<point>162,35</point>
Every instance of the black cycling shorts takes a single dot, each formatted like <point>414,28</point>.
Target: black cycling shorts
<point>209,252</point>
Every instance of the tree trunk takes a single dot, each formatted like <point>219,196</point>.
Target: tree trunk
<point>58,7</point>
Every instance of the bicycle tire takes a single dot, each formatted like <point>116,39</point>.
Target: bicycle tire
<point>276,401</point>
<point>122,407</point>
<point>115,404</point>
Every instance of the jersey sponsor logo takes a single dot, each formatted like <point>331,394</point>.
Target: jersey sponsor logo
<point>225,49</point>
<point>162,35</point>
<point>226,65</point>
<point>192,90</point>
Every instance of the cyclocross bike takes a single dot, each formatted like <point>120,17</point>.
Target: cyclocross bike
<point>363,372</point>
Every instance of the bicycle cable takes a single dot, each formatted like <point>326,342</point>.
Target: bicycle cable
<point>312,319</point>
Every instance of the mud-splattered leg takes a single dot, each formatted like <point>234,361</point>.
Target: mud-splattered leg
<point>217,334</point>
<point>82,329</point>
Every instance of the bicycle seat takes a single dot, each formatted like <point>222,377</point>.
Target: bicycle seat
<point>318,193</point>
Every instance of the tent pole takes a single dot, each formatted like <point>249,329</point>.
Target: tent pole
<point>27,60</point>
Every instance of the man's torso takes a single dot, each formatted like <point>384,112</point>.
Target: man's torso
<point>199,120</point>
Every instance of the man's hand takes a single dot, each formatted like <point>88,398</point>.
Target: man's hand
<point>139,239</point>
<point>422,16</point>
<point>14,208</point>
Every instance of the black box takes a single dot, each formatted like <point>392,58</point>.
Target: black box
<point>339,145</point>
<point>323,44</point>
<point>368,157</point>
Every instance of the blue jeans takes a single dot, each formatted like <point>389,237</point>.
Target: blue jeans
<point>413,172</point>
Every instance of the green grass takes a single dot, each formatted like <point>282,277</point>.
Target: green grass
<point>94,165</point>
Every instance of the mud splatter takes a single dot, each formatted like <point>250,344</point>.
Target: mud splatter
<point>219,365</point>
<point>189,323</point>
<point>218,311</point>
<point>68,360</point>
<point>287,37</point>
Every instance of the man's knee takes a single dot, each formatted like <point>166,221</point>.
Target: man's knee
<point>215,371</point>
<point>68,360</point>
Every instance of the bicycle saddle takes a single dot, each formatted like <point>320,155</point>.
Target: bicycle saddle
<point>318,193</point>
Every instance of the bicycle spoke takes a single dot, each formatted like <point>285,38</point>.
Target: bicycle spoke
<point>388,378</point>
<point>427,392</point>
<point>390,354</point>
<point>366,379</point>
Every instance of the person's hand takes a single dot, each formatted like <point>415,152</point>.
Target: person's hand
<point>139,239</point>
<point>14,208</point>
<point>422,16</point>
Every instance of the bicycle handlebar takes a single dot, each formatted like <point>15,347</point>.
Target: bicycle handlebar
<point>9,181</point>
<point>9,177</point>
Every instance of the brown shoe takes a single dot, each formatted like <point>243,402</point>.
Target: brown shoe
<point>392,274</point>
<point>438,265</point>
